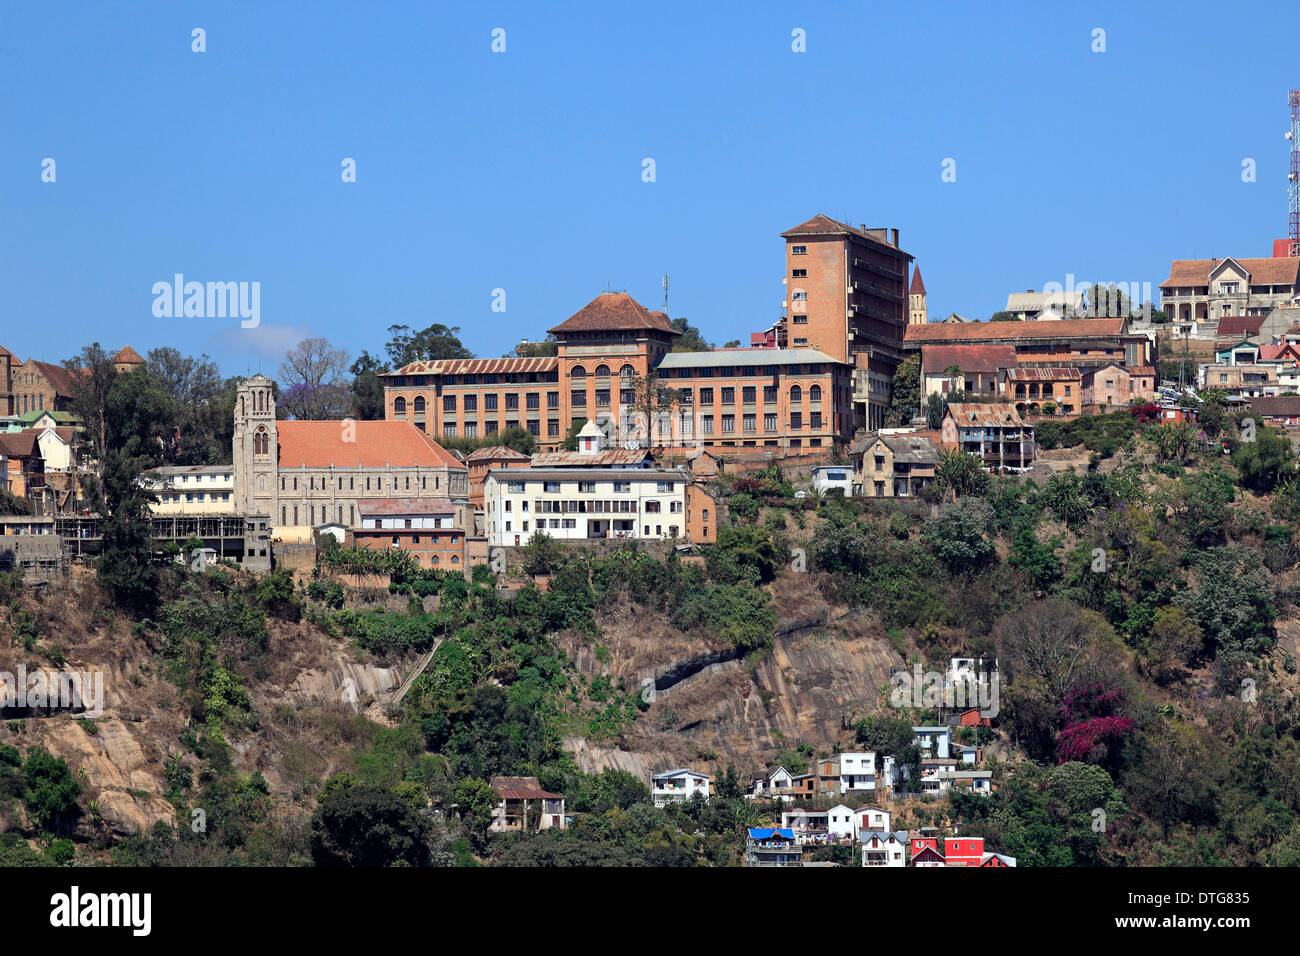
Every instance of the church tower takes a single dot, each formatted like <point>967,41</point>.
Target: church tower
<point>255,446</point>
<point>916,311</point>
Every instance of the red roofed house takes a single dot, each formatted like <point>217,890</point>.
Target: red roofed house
<point>1201,290</point>
<point>981,368</point>
<point>926,852</point>
<point>303,474</point>
<point>482,460</point>
<point>524,806</point>
<point>431,530</point>
<point>1031,388</point>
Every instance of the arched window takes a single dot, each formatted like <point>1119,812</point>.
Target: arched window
<point>261,442</point>
<point>455,560</point>
<point>602,371</point>
<point>399,406</point>
<point>419,405</point>
<point>815,393</point>
<point>796,394</point>
<point>578,372</point>
<point>626,372</point>
<point>295,515</point>
<point>241,406</point>
<point>284,514</point>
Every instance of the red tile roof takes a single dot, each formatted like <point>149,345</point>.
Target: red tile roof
<point>611,311</point>
<point>1195,272</point>
<point>994,331</point>
<point>19,445</point>
<point>406,506</point>
<point>128,356</point>
<point>371,444</point>
<point>1240,325</point>
<point>969,358</point>
<point>1043,374</point>
<point>495,366</point>
<point>918,286</point>
<point>60,378</point>
<point>822,225</point>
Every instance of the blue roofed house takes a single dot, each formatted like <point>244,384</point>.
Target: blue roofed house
<point>771,847</point>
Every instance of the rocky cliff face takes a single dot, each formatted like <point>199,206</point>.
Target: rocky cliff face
<point>823,672</point>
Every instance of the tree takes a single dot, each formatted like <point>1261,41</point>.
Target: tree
<point>368,387</point>
<point>436,342</point>
<point>50,791</point>
<point>475,801</point>
<point>1173,440</point>
<point>959,474</point>
<point>1264,462</point>
<point>367,826</point>
<point>544,349</point>
<point>906,399</point>
<point>200,413</point>
<point>1004,317</point>
<point>690,339</point>
<point>314,382</point>
<point>570,442</point>
<point>958,535</point>
<point>936,406</point>
<point>651,408</point>
<point>92,374</point>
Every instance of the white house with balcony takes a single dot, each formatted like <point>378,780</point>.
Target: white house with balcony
<point>678,786</point>
<point>857,772</point>
<point>578,504</point>
<point>883,848</point>
<point>192,489</point>
<point>776,785</point>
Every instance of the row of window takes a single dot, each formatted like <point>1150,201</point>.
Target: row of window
<point>197,496</point>
<point>652,507</point>
<point>557,523</point>
<point>748,395</point>
<point>588,487</point>
<point>324,483</point>
<point>744,371</point>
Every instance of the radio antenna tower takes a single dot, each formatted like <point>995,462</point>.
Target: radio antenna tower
<point>665,283</point>
<point>1293,183</point>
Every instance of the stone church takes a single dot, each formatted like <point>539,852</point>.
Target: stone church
<point>305,474</point>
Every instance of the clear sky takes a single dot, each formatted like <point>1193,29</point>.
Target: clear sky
<point>523,170</point>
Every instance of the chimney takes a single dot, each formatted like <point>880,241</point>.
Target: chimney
<point>893,240</point>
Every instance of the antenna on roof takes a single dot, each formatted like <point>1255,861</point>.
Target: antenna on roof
<point>665,282</point>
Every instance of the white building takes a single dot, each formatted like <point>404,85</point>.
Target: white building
<point>818,826</point>
<point>678,786</point>
<point>581,504</point>
<point>192,489</point>
<point>883,848</point>
<point>827,477</point>
<point>777,785</point>
<point>933,741</point>
<point>872,818</point>
<point>857,772</point>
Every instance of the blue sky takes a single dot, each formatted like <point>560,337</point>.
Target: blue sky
<point>523,170</point>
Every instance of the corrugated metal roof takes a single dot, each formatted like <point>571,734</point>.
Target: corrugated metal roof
<point>610,457</point>
<point>1042,374</point>
<point>495,366</point>
<point>406,506</point>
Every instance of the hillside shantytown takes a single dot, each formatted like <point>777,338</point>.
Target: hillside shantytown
<point>874,588</point>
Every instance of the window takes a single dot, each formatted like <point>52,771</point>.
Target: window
<point>801,320</point>
<point>748,394</point>
<point>706,424</point>
<point>796,395</point>
<point>622,486</point>
<point>533,401</point>
<point>399,407</point>
<point>799,273</point>
<point>815,393</point>
<point>800,343</point>
<point>769,422</point>
<point>512,403</point>
<point>552,399</point>
<point>749,423</point>
<point>664,487</point>
<point>728,396</point>
<point>449,403</point>
<point>799,296</point>
<point>552,429</point>
<point>579,398</point>
<point>490,403</point>
<point>798,250</point>
<point>586,487</point>
<point>602,398</point>
<point>728,424</point>
<point>471,403</point>
<point>602,371</point>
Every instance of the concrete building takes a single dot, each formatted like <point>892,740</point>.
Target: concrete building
<point>576,504</point>
<point>678,786</point>
<point>302,474</point>
<point>482,460</point>
<point>1031,306</point>
<point>192,489</point>
<point>523,806</point>
<point>1203,290</point>
<point>826,478</point>
<point>1244,381</point>
<point>431,530</point>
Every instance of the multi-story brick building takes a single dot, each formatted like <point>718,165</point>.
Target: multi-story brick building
<point>302,474</point>
<point>40,386</point>
<point>847,296</point>
<point>795,398</point>
<point>482,460</point>
<point>1078,342</point>
<point>9,363</point>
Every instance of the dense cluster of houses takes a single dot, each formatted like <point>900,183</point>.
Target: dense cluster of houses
<point>878,845</point>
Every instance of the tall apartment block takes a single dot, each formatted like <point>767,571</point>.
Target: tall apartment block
<point>847,296</point>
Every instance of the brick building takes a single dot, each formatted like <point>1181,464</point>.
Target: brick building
<point>847,296</point>
<point>39,386</point>
<point>302,474</point>
<point>482,460</point>
<point>796,398</point>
